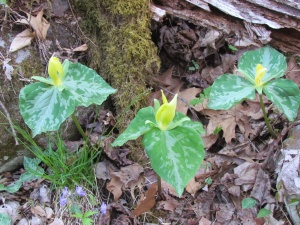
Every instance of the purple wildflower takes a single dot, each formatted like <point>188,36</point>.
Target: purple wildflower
<point>62,201</point>
<point>63,197</point>
<point>103,208</point>
<point>80,191</point>
<point>65,192</point>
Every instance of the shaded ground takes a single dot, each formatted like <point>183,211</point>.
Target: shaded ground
<point>237,165</point>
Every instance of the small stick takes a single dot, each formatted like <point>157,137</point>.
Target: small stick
<point>10,123</point>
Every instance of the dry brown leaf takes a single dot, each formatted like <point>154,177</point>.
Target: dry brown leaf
<point>223,119</point>
<point>204,221</point>
<point>81,48</point>
<point>209,140</point>
<point>193,186</point>
<point>38,210</point>
<point>38,23</point>
<point>293,71</point>
<point>167,81</point>
<point>168,188</point>
<point>102,171</point>
<point>146,203</point>
<point>262,187</point>
<point>235,190</point>
<point>115,186</point>
<point>57,221</point>
<point>187,95</point>
<point>225,212</point>
<point>22,40</point>
<point>128,177</point>
<point>170,204</point>
<point>246,173</point>
<point>240,116</point>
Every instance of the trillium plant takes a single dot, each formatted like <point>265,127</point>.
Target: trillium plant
<point>45,105</point>
<point>262,71</point>
<point>171,140</point>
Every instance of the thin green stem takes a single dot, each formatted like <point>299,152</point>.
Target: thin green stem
<point>79,128</point>
<point>272,132</point>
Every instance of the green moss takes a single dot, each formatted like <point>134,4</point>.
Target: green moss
<point>123,53</point>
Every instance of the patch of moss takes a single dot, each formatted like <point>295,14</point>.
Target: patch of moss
<point>123,53</point>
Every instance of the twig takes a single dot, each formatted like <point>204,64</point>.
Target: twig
<point>10,123</point>
<point>275,143</point>
<point>79,26</point>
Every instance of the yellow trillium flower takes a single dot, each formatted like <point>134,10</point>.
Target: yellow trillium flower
<point>166,112</point>
<point>260,72</point>
<point>55,70</point>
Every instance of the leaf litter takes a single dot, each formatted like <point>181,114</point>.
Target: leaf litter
<point>234,154</point>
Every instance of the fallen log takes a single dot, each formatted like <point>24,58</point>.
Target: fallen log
<point>250,22</point>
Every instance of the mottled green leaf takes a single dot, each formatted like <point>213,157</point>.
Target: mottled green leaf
<point>228,90</point>
<point>198,127</point>
<point>137,127</point>
<point>86,86</point>
<point>44,107</point>
<point>263,212</point>
<point>271,59</point>
<point>285,94</point>
<point>5,219</point>
<point>32,167</point>
<point>175,155</point>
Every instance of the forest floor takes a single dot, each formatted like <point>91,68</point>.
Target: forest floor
<point>241,162</point>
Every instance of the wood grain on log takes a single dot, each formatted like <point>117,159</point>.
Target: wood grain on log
<point>252,22</point>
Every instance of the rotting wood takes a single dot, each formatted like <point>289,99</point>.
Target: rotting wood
<point>250,22</point>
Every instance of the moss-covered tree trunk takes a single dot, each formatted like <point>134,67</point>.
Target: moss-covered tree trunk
<point>122,50</point>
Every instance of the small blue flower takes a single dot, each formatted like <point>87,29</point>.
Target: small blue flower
<point>103,208</point>
<point>62,201</point>
<point>80,191</point>
<point>63,197</point>
<point>65,192</point>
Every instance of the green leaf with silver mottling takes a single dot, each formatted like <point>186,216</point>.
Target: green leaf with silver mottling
<point>5,219</point>
<point>137,127</point>
<point>44,107</point>
<point>85,85</point>
<point>198,127</point>
<point>271,59</point>
<point>175,155</point>
<point>228,90</point>
<point>285,94</point>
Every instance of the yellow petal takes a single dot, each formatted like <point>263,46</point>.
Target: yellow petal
<point>260,72</point>
<point>166,112</point>
<point>55,70</point>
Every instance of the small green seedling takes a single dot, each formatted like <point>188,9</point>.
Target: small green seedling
<point>208,180</point>
<point>250,202</point>
<point>232,48</point>
<point>84,217</point>
<point>262,69</point>
<point>45,105</point>
<point>171,140</point>
<point>194,67</point>
<point>202,97</point>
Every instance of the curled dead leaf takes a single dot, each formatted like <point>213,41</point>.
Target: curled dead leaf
<point>22,40</point>
<point>38,23</point>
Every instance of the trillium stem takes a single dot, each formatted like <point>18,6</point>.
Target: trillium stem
<point>159,186</point>
<point>272,132</point>
<point>79,128</point>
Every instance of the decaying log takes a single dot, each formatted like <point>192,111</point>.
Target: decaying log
<point>251,22</point>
